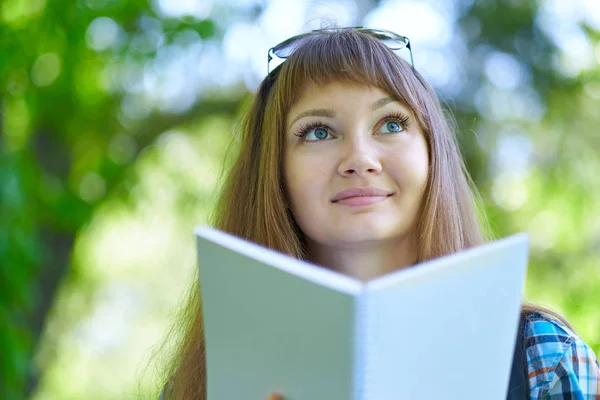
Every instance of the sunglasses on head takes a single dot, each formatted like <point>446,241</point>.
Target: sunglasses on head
<point>392,40</point>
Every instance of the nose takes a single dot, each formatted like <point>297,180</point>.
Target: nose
<point>360,158</point>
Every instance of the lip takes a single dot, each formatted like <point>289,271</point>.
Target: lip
<point>360,192</point>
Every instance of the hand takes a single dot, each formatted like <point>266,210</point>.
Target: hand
<point>275,396</point>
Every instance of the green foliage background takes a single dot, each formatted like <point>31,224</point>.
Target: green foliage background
<point>97,206</point>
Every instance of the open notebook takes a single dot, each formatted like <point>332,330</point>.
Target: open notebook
<point>444,329</point>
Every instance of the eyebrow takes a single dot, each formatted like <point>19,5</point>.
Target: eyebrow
<point>382,102</point>
<point>323,112</point>
<point>315,113</point>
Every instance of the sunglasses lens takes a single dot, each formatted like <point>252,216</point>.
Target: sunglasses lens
<point>394,44</point>
<point>285,49</point>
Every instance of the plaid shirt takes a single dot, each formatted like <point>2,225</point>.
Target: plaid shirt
<point>561,365</point>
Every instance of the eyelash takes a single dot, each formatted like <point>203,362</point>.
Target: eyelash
<point>403,119</point>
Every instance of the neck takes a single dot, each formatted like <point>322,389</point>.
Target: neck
<point>365,261</point>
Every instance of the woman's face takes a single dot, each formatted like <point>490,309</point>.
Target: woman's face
<point>356,165</point>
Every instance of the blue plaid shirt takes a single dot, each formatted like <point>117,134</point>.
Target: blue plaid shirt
<point>560,364</point>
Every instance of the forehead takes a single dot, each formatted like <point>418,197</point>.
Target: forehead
<point>339,93</point>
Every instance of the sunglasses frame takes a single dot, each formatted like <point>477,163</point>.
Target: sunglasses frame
<point>380,34</point>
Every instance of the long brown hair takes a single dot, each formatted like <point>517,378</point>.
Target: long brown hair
<point>253,202</point>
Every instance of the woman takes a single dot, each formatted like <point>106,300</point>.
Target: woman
<point>347,160</point>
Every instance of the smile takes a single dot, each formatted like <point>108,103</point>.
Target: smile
<point>360,201</point>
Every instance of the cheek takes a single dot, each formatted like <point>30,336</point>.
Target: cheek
<point>421,172</point>
<point>303,171</point>
<point>306,185</point>
<point>297,176</point>
<point>410,169</point>
<point>417,162</point>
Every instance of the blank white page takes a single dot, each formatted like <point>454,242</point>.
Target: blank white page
<point>267,329</point>
<point>446,330</point>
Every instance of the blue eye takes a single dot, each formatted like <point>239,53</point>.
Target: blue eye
<point>391,126</point>
<point>317,133</point>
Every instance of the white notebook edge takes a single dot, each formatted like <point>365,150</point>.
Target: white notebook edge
<point>342,283</point>
<point>308,271</point>
<point>430,267</point>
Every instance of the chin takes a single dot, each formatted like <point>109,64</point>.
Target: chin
<point>363,235</point>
